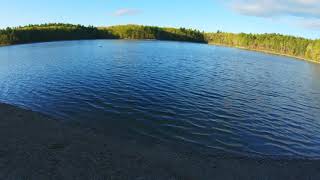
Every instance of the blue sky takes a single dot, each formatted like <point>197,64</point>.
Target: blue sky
<point>294,17</point>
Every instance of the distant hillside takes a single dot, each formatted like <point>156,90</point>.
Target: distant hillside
<point>271,43</point>
<point>47,32</point>
<point>54,32</point>
<point>152,32</point>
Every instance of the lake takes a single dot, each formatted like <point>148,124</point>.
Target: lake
<point>220,99</point>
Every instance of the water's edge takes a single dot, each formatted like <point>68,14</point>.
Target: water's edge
<point>208,43</point>
<point>39,140</point>
<point>186,148</point>
<point>264,51</point>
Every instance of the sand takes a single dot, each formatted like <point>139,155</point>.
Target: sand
<point>34,146</point>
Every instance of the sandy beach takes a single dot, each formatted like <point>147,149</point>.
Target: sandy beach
<point>34,146</point>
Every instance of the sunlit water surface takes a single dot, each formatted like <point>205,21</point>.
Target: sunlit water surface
<point>221,99</point>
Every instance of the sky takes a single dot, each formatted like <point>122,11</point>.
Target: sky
<point>292,17</point>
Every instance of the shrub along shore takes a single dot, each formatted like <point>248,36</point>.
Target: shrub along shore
<point>291,46</point>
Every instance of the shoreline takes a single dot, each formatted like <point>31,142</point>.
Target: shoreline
<point>208,43</point>
<point>35,146</point>
<point>265,51</point>
<point>126,39</point>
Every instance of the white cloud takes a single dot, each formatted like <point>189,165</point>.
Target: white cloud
<point>126,12</point>
<point>304,13</point>
<point>313,24</point>
<point>271,8</point>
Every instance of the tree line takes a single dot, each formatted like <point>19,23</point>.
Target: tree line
<point>57,31</point>
<point>153,32</point>
<point>275,43</point>
<point>49,32</point>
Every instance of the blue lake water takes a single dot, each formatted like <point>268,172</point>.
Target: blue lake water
<point>221,99</point>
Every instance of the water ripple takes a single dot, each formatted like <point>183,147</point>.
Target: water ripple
<point>225,100</point>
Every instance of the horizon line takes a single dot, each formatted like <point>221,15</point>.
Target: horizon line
<point>176,27</point>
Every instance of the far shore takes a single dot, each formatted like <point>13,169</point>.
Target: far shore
<point>265,51</point>
<point>209,43</point>
<point>35,146</point>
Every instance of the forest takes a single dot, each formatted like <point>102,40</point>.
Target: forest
<point>272,43</point>
<point>152,32</point>
<point>54,32</point>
